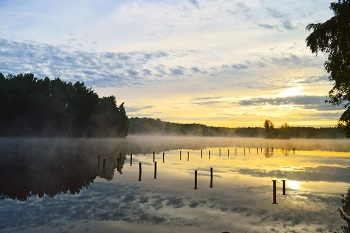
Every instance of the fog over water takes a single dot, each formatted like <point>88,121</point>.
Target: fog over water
<point>92,185</point>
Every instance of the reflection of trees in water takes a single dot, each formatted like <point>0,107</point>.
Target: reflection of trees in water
<point>49,167</point>
<point>269,152</point>
<point>344,211</point>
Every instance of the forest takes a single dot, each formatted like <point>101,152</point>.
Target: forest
<point>150,126</point>
<point>55,108</point>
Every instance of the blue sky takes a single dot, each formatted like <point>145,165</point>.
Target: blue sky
<point>220,63</point>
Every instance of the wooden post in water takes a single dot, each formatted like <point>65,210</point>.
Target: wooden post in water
<point>201,154</point>
<point>195,179</point>
<point>235,151</point>
<point>98,163</point>
<point>209,154</point>
<point>228,153</point>
<point>211,177</point>
<point>104,165</point>
<point>274,192</point>
<point>180,154</point>
<point>261,150</point>
<point>154,156</point>
<point>188,156</point>
<point>257,151</point>
<point>118,165</point>
<point>155,170</point>
<point>163,157</point>
<point>284,187</point>
<point>140,171</point>
<point>244,151</point>
<point>294,150</point>
<point>219,152</point>
<point>130,159</point>
<point>249,150</point>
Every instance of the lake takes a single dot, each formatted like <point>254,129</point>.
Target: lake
<point>95,185</point>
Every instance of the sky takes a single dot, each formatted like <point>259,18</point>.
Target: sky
<point>228,63</point>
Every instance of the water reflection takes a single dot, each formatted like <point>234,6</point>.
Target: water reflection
<point>43,168</point>
<point>239,200</point>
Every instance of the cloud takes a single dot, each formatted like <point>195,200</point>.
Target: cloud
<point>132,109</point>
<point>266,26</point>
<point>195,69</point>
<point>195,3</point>
<point>240,8</point>
<point>239,66</point>
<point>100,69</point>
<point>177,71</point>
<point>306,102</point>
<point>146,72</point>
<point>287,24</point>
<point>132,73</point>
<point>320,173</point>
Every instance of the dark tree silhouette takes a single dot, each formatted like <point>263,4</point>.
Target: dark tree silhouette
<point>34,107</point>
<point>333,37</point>
<point>269,129</point>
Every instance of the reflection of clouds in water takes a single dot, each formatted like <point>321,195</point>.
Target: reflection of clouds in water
<point>242,209</point>
<point>320,173</point>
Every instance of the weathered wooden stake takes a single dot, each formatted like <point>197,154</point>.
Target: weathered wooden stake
<point>104,165</point>
<point>188,156</point>
<point>163,157</point>
<point>219,152</point>
<point>195,179</point>
<point>274,192</point>
<point>228,153</point>
<point>140,171</point>
<point>98,163</point>
<point>211,177</point>
<point>257,151</point>
<point>249,150</point>
<point>180,154</point>
<point>284,187</point>
<point>130,159</point>
<point>244,151</point>
<point>201,154</point>
<point>154,156</point>
<point>155,170</point>
<point>209,154</point>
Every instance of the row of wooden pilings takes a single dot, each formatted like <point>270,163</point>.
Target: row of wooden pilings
<point>274,195</point>
<point>274,199</point>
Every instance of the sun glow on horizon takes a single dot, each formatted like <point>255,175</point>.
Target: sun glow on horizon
<point>293,91</point>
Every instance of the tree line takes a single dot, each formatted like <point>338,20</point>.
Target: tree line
<point>151,126</point>
<point>51,108</point>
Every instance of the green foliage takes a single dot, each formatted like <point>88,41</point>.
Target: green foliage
<point>32,107</point>
<point>333,37</point>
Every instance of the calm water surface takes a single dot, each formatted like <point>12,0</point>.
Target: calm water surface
<point>92,185</point>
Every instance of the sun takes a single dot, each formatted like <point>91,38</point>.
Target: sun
<point>291,92</point>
